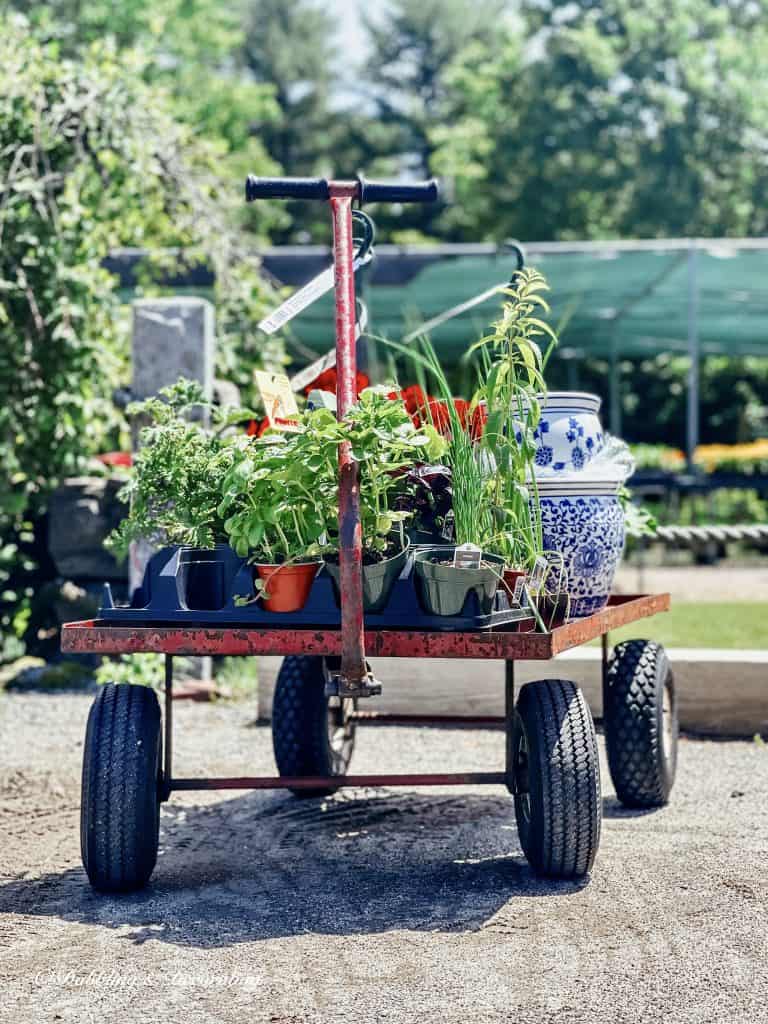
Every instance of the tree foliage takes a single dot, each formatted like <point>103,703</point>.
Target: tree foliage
<point>619,118</point>
<point>92,158</point>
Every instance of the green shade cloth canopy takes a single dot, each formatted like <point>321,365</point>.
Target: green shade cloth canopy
<point>630,299</point>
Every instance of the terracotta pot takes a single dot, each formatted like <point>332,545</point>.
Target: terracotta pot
<point>287,586</point>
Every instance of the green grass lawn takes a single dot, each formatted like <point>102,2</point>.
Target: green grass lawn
<point>730,625</point>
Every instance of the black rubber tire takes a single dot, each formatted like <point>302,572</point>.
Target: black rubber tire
<point>641,737</point>
<point>120,808</point>
<point>311,733</point>
<point>557,778</point>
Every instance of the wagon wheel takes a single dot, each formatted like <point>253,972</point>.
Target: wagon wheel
<point>556,778</point>
<point>120,808</point>
<point>311,734</point>
<point>640,718</point>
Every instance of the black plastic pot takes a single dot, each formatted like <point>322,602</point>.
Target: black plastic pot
<point>203,581</point>
<point>378,579</point>
<point>444,589</point>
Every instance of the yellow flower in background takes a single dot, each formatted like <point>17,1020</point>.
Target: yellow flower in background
<point>739,456</point>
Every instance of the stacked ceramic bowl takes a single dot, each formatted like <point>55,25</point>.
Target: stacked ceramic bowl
<point>578,483</point>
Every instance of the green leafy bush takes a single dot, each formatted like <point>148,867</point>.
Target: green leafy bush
<point>92,159</point>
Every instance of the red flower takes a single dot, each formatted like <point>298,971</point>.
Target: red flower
<point>328,381</point>
<point>479,419</point>
<point>414,399</point>
<point>257,427</point>
<point>462,408</point>
<point>116,459</point>
<point>439,416</point>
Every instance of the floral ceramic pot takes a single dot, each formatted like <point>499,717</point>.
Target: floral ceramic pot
<point>569,432</point>
<point>584,522</point>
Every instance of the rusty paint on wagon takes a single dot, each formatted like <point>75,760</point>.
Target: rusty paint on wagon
<point>95,637</point>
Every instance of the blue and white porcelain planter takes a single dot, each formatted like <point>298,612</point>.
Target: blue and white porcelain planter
<point>569,433</point>
<point>584,522</point>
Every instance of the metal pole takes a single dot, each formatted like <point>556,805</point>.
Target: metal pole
<point>615,390</point>
<point>692,418</point>
<point>353,668</point>
<point>511,723</point>
<point>168,752</point>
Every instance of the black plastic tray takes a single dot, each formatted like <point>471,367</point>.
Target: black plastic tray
<point>190,586</point>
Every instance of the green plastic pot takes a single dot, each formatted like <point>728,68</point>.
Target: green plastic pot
<point>443,589</point>
<point>378,579</point>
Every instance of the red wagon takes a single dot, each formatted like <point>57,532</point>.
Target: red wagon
<point>551,766</point>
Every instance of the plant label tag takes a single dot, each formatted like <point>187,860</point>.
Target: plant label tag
<point>310,373</point>
<point>279,401</point>
<point>305,296</point>
<point>537,574</point>
<point>518,591</point>
<point>467,556</point>
<point>297,302</point>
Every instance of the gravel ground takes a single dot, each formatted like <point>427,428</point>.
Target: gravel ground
<point>377,906</point>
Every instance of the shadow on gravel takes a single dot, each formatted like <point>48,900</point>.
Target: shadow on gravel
<point>262,866</point>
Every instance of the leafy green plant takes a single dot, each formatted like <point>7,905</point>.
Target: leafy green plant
<point>384,443</point>
<point>279,496</point>
<point>495,500</point>
<point>472,514</point>
<point>175,485</point>
<point>512,383</point>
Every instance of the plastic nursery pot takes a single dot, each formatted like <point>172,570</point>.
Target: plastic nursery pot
<point>378,579</point>
<point>287,586</point>
<point>202,572</point>
<point>444,589</point>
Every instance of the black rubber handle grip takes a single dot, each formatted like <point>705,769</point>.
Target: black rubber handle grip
<point>317,188</point>
<point>393,192</point>
<point>285,188</point>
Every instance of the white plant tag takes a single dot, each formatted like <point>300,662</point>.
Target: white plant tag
<point>518,591</point>
<point>310,373</point>
<point>304,297</point>
<point>295,303</point>
<point>537,574</point>
<point>467,556</point>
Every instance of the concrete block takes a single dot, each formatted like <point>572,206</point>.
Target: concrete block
<point>172,338</point>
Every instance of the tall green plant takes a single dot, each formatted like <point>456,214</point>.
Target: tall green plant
<point>472,513</point>
<point>511,386</point>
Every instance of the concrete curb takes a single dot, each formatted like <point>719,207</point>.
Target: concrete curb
<point>720,693</point>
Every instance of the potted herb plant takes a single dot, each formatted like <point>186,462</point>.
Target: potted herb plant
<point>280,500</point>
<point>385,445</point>
<point>444,584</point>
